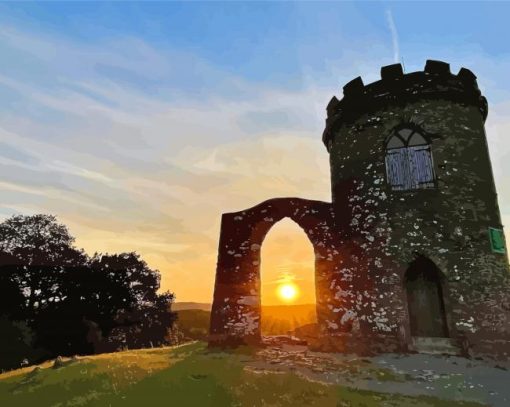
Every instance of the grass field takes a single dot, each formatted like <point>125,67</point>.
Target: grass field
<point>185,376</point>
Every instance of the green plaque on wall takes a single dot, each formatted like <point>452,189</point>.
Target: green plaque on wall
<point>497,240</point>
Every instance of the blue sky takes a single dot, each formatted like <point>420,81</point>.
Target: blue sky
<point>274,42</point>
<point>138,124</point>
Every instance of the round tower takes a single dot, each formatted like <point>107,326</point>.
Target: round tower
<point>413,192</point>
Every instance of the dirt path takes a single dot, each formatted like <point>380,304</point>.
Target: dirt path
<point>446,377</point>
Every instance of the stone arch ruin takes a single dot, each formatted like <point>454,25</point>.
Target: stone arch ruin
<point>236,308</point>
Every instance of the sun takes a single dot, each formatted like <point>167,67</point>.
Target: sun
<point>288,292</point>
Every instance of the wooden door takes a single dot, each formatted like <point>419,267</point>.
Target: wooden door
<point>425,304</point>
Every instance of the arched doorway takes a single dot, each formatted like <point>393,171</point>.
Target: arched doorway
<point>424,288</point>
<point>287,275</point>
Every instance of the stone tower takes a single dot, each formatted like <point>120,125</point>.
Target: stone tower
<point>412,180</point>
<point>410,253</point>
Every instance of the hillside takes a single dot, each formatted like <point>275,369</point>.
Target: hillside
<point>190,376</point>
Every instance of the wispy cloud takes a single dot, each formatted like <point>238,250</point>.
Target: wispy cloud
<point>134,152</point>
<point>128,169</point>
<point>394,36</point>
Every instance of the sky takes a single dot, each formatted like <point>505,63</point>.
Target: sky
<point>139,124</point>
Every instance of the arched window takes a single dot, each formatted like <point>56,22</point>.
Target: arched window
<point>409,161</point>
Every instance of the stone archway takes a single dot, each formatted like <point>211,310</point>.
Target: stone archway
<point>235,317</point>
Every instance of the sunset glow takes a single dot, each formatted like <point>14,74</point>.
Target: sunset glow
<point>287,266</point>
<point>288,292</point>
<point>142,131</point>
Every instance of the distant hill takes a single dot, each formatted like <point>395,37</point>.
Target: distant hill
<point>179,306</point>
<point>280,319</point>
<point>194,323</point>
<point>193,318</point>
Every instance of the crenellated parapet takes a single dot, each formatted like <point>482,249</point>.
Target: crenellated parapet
<point>397,88</point>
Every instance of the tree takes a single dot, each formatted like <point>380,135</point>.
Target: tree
<point>78,300</point>
<point>38,239</point>
<point>145,325</point>
<point>148,319</point>
<point>12,300</point>
<point>72,303</point>
<point>17,344</point>
<point>144,282</point>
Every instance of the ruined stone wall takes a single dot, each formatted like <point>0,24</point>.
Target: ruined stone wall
<point>448,223</point>
<point>235,317</point>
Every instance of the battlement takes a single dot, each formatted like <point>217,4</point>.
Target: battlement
<point>396,88</point>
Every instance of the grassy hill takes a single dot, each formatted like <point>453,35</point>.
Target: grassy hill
<point>185,376</point>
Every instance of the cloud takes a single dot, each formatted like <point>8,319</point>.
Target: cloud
<point>142,148</point>
<point>394,36</point>
<point>127,169</point>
